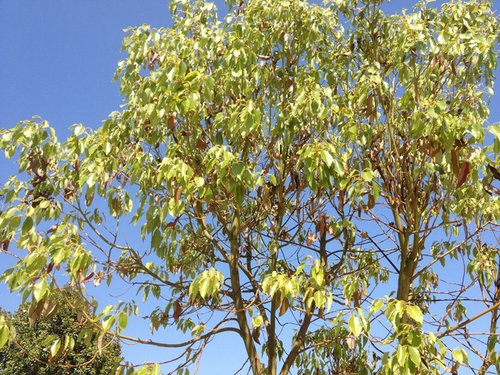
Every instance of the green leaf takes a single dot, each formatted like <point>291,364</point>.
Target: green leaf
<point>441,105</point>
<point>40,289</point>
<point>319,298</point>
<point>401,355</point>
<point>460,355</point>
<point>204,287</point>
<point>156,239</point>
<point>199,181</point>
<point>69,343</point>
<point>376,191</point>
<point>495,130</point>
<point>415,313</point>
<point>198,330</point>
<point>194,289</point>
<point>27,225</point>
<point>338,167</point>
<point>108,322</point>
<point>122,320</point>
<point>317,273</point>
<point>442,38</point>
<point>414,355</point>
<point>327,158</point>
<point>257,321</point>
<point>367,175</point>
<point>107,309</point>
<point>355,325</point>
<point>4,332</point>
<point>272,179</point>
<point>78,130</point>
<point>54,349</point>
<point>329,301</point>
<point>300,268</point>
<point>376,305</point>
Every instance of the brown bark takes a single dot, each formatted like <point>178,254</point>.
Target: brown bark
<point>245,333</point>
<point>297,345</point>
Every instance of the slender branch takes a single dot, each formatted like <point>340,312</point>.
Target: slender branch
<point>176,345</point>
<point>470,320</point>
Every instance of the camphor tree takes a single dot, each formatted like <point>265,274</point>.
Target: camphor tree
<point>317,181</point>
<point>57,340</point>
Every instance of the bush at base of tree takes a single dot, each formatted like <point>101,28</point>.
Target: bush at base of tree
<point>30,352</point>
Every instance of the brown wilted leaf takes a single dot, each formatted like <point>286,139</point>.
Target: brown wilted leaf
<point>464,172</point>
<point>89,197</point>
<point>177,195</point>
<point>371,201</point>
<point>351,341</point>
<point>311,238</point>
<point>370,103</point>
<point>68,192</point>
<point>35,311</point>
<point>284,306</point>
<point>152,58</point>
<point>177,311</point>
<point>201,144</point>
<point>5,244</point>
<point>255,335</point>
<point>494,171</point>
<point>48,309</point>
<point>98,278</point>
<point>171,122</point>
<point>358,296</point>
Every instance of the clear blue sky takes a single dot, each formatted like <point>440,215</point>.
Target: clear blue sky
<point>57,61</point>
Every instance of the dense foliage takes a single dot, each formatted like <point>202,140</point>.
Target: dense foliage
<point>316,180</point>
<point>57,342</point>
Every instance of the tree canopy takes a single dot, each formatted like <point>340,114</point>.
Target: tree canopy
<point>317,180</point>
<point>56,340</point>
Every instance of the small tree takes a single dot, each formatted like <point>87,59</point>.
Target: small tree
<point>303,177</point>
<point>55,338</point>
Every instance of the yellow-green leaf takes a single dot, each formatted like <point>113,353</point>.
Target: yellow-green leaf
<point>401,355</point>
<point>122,320</point>
<point>415,313</point>
<point>4,332</point>
<point>39,290</point>
<point>55,347</point>
<point>108,322</point>
<point>460,355</point>
<point>204,285</point>
<point>414,355</point>
<point>327,158</point>
<point>355,325</point>
<point>257,321</point>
